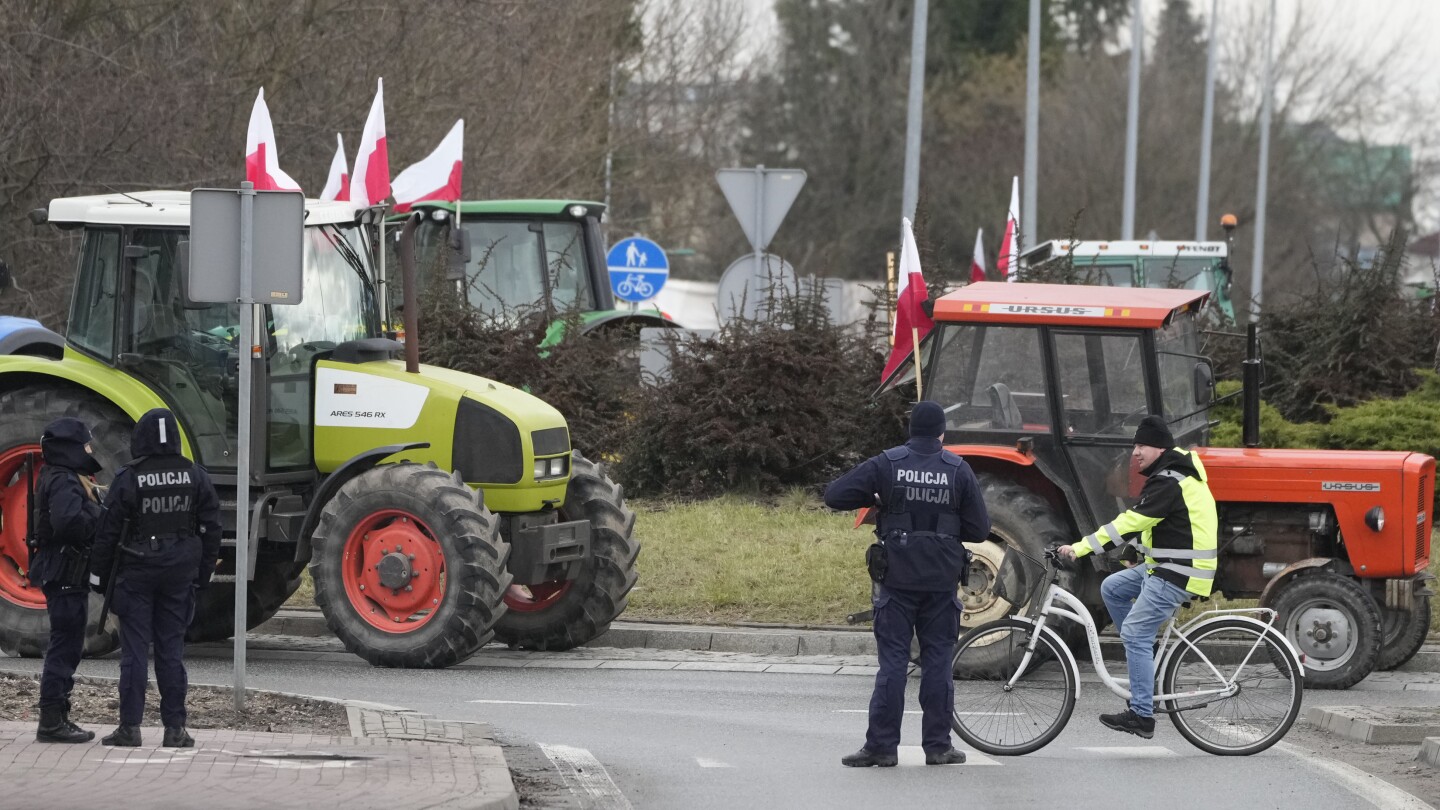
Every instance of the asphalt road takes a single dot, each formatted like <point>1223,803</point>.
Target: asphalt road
<point>702,739</point>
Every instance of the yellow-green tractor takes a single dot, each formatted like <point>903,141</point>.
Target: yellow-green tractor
<point>416,497</point>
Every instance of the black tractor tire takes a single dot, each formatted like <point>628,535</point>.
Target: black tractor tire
<point>24,413</point>
<point>468,539</point>
<point>1334,622</point>
<point>602,590</point>
<point>1404,632</point>
<point>1018,518</point>
<point>273,583</point>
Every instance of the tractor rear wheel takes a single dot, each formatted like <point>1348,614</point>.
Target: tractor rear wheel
<point>24,413</point>
<point>272,584</point>
<point>1404,632</point>
<point>409,567</point>
<point>1021,519</point>
<point>1334,623</point>
<point>567,613</point>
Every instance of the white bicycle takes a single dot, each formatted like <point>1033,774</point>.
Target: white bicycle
<point>1230,682</point>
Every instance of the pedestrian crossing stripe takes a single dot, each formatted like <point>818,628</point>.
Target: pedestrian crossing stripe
<point>915,755</point>
<point>910,755</point>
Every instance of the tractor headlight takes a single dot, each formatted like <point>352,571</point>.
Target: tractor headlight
<point>551,467</point>
<point>1375,519</point>
<point>578,211</point>
<point>540,467</point>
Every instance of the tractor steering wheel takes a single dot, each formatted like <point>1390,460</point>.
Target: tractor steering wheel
<point>1123,422</point>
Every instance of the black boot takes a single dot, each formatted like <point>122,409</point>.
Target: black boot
<point>865,758</point>
<point>949,756</point>
<point>123,737</point>
<point>89,735</point>
<point>177,737</point>
<point>54,729</point>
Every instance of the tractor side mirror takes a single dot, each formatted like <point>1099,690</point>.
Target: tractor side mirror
<point>459,254</point>
<point>182,269</point>
<point>1204,384</point>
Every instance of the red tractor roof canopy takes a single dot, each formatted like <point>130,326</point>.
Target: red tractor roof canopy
<point>1065,304</point>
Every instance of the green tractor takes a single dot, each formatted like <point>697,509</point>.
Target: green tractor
<point>416,495</point>
<point>512,258</point>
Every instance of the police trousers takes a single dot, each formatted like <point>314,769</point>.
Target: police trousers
<point>67,609</point>
<point>934,617</point>
<point>154,606</point>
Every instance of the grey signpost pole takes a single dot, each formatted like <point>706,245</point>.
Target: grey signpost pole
<point>1132,122</point>
<point>1028,219</point>
<point>1262,181</point>
<point>242,464</point>
<point>914,112</point>
<point>759,227</point>
<point>1207,127</point>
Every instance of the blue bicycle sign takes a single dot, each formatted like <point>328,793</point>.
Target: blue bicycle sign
<point>638,269</point>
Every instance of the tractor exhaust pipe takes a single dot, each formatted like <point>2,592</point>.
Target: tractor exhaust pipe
<point>407,292</point>
<point>1250,380</point>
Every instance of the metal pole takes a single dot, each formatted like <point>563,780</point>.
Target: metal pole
<point>1207,127</point>
<point>380,273</point>
<point>1032,130</point>
<point>760,269</point>
<point>911,191</point>
<point>1132,122</point>
<point>242,463</point>
<point>1262,182</point>
<point>609,141</point>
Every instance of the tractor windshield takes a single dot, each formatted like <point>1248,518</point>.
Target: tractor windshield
<point>506,276</point>
<point>1179,274</point>
<point>989,378</point>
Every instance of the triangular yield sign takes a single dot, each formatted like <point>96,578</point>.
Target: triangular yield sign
<point>781,187</point>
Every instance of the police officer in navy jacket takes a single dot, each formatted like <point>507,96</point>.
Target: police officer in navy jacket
<point>928,502</point>
<point>168,552</point>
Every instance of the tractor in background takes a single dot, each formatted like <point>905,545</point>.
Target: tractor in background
<point>1043,386</point>
<point>415,495</point>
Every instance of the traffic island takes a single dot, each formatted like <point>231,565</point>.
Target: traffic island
<point>1377,726</point>
<point>1430,752</point>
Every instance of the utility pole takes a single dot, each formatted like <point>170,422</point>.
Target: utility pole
<point>1132,122</point>
<point>1032,131</point>
<point>1263,181</point>
<point>1207,127</point>
<point>911,193</point>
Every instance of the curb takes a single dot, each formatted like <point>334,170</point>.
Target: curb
<point>381,720</point>
<point>1392,726</point>
<point>1430,752</point>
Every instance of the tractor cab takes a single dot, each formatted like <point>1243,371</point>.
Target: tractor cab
<point>1202,266</point>
<point>516,258</point>
<point>1058,377</point>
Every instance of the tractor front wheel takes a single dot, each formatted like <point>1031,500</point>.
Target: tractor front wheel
<point>24,413</point>
<point>1334,623</point>
<point>409,567</point>
<point>563,614</point>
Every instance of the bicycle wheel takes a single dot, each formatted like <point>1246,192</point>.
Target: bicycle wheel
<point>1008,721</point>
<point>1256,659</point>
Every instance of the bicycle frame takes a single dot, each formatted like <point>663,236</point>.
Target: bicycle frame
<point>1072,608</point>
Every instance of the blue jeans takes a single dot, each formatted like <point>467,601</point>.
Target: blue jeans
<point>1139,603</point>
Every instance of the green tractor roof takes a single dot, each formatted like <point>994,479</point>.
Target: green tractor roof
<point>520,207</point>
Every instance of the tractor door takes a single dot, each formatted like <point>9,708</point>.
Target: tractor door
<point>1101,380</point>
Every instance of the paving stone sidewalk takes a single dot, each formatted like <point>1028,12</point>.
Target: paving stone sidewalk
<point>398,758</point>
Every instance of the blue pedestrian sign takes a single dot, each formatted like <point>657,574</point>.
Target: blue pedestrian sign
<point>638,269</point>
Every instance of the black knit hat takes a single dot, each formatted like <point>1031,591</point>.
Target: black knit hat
<point>927,420</point>
<point>1153,432</point>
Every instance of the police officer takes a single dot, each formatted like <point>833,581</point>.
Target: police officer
<point>169,514</point>
<point>929,501</point>
<point>67,514</point>
<point>1176,527</point>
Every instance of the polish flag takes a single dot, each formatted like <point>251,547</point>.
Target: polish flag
<point>262,165</point>
<point>437,177</point>
<point>977,262</point>
<point>370,184</point>
<point>911,322</point>
<point>337,185</point>
<point>1008,262</point>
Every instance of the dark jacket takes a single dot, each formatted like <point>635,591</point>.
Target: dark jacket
<point>66,515</point>
<point>123,502</point>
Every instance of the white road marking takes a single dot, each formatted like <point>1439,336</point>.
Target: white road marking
<point>523,703</point>
<point>1373,789</point>
<point>915,755</point>
<point>867,711</point>
<point>1129,751</point>
<point>711,763</point>
<point>585,776</point>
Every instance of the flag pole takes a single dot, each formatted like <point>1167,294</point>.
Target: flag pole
<point>890,287</point>
<point>915,347</point>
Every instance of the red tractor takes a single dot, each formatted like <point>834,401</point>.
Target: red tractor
<point>1043,386</point>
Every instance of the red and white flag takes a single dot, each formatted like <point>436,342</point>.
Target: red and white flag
<point>262,165</point>
<point>370,184</point>
<point>337,185</point>
<point>437,177</point>
<point>911,322</point>
<point>1008,262</point>
<point>977,262</point>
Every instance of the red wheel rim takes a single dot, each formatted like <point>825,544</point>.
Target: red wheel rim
<point>394,571</point>
<point>542,596</point>
<point>14,514</point>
